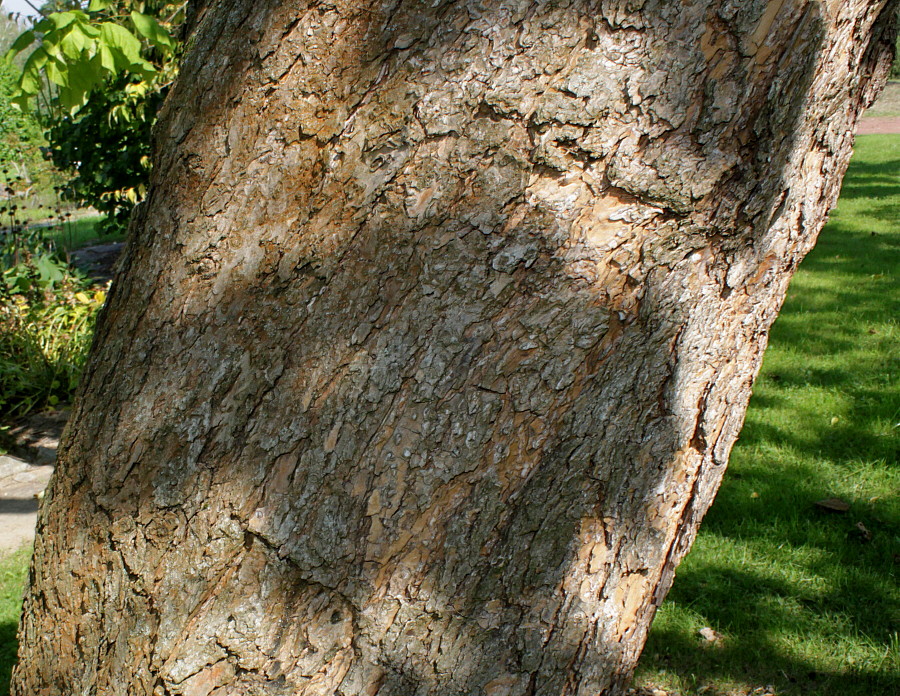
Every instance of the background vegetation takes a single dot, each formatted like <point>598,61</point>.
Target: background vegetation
<point>97,71</point>
<point>23,167</point>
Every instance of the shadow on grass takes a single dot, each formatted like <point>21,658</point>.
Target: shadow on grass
<point>833,356</point>
<point>823,548</point>
<point>871,180</point>
<point>821,582</point>
<point>854,437</point>
<point>886,212</point>
<point>807,599</point>
<point>8,648</point>
<point>756,659</point>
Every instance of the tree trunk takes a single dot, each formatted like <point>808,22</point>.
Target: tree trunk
<point>432,339</point>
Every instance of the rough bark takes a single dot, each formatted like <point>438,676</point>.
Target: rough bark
<point>432,339</point>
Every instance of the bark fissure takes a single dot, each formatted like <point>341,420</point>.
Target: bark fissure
<point>432,339</point>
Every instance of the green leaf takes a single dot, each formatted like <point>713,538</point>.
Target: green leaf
<point>61,20</point>
<point>152,30</point>
<point>74,43</point>
<point>120,40</point>
<point>31,71</point>
<point>99,5</point>
<point>23,41</point>
<point>82,77</point>
<point>45,26</point>
<point>57,71</point>
<point>89,29</point>
<point>30,81</point>
<point>107,59</point>
<point>49,271</point>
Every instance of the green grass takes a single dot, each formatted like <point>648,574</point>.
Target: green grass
<point>39,205</point>
<point>805,603</point>
<point>13,572</point>
<point>78,233</point>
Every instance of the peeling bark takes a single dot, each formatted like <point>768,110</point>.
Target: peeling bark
<point>432,339</point>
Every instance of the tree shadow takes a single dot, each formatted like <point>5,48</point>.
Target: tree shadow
<point>850,573</point>
<point>849,588</point>
<point>18,506</point>
<point>8,648</point>
<point>755,658</point>
<point>871,180</point>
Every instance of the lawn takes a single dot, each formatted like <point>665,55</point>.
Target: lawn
<point>807,601</point>
<point>78,233</point>
<point>13,571</point>
<point>38,206</point>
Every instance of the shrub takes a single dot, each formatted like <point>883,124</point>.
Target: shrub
<point>47,314</point>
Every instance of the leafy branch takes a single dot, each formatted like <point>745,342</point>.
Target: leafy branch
<point>78,51</point>
<point>99,71</point>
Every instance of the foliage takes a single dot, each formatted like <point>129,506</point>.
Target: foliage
<point>99,74</point>
<point>21,135</point>
<point>78,51</point>
<point>110,158</point>
<point>808,600</point>
<point>895,68</point>
<point>47,314</point>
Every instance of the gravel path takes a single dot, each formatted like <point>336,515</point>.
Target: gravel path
<point>20,485</point>
<point>24,475</point>
<point>879,125</point>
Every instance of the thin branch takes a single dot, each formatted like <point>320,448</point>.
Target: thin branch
<point>35,8</point>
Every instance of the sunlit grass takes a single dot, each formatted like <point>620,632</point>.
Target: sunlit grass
<point>807,604</point>
<point>78,233</point>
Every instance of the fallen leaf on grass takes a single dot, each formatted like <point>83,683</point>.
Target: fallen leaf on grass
<point>864,533</point>
<point>710,635</point>
<point>764,691</point>
<point>833,504</point>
